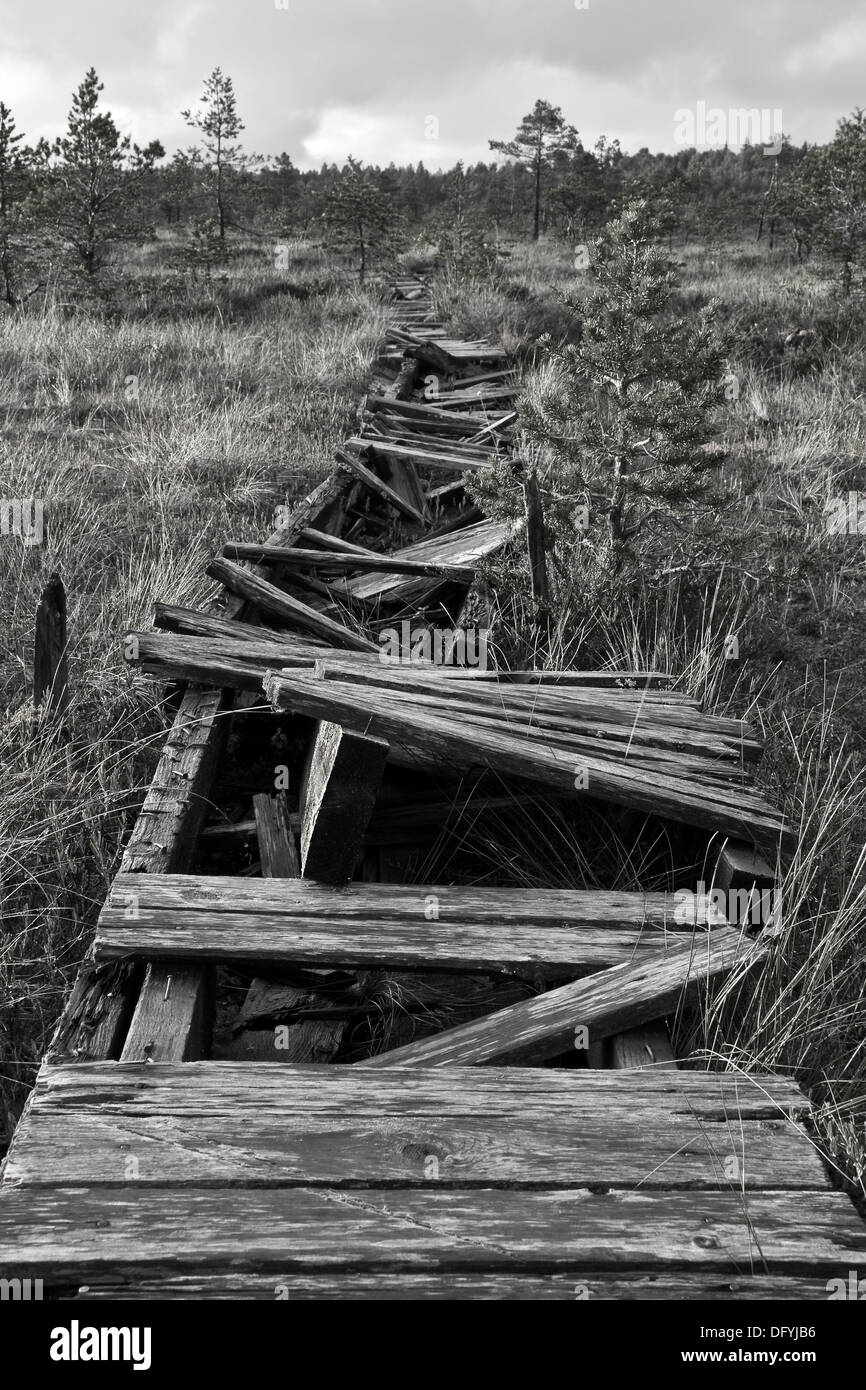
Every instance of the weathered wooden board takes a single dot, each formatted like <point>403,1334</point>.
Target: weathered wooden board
<point>462,548</point>
<point>345,563</point>
<point>272,600</point>
<point>588,1010</point>
<point>423,454</point>
<point>399,902</point>
<point>525,950</point>
<point>371,480</point>
<point>466,744</point>
<point>637,1285</point>
<point>215,1123</point>
<point>306,1041</point>
<point>66,1234</point>
<point>171,1022</point>
<point>340,784</point>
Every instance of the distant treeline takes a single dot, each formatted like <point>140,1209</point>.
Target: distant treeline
<point>64,206</point>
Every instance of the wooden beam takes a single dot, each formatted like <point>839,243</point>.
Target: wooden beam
<point>348,563</point>
<point>272,600</point>
<point>315,510</point>
<point>423,455</point>
<point>465,742</point>
<point>50,658</point>
<point>171,1022</point>
<point>584,1012</point>
<point>533,933</point>
<point>277,849</point>
<point>96,1017</point>
<point>341,781</point>
<point>376,484</point>
<point>648,1047</point>
<point>536,547</point>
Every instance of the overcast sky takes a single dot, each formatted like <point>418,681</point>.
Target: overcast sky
<point>323,79</point>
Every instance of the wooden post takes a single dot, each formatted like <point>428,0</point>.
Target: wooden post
<point>535,543</point>
<point>50,664</point>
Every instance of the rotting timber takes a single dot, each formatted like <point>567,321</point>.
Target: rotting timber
<point>222,1113</point>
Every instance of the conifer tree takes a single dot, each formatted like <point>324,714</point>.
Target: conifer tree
<point>360,217</point>
<point>633,398</point>
<point>541,137</point>
<point>93,184</point>
<point>219,124</point>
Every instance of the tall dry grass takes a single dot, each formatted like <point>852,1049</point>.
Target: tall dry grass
<point>244,390</point>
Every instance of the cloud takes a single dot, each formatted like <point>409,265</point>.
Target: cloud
<point>324,78</point>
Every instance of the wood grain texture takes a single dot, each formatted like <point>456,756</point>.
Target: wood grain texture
<point>345,563</point>
<point>543,933</point>
<point>172,1017</point>
<point>467,743</point>
<point>605,1003</point>
<point>277,849</point>
<point>216,1123</point>
<point>341,781</point>
<point>307,1041</point>
<point>638,1285</point>
<point>270,599</point>
<point>65,1234</point>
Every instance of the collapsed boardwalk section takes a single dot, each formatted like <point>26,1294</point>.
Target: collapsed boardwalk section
<point>152,1163</point>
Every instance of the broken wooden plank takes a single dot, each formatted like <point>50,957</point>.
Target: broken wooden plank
<point>462,548</point>
<point>306,1041</point>
<point>277,849</point>
<point>328,542</point>
<point>272,600</point>
<point>420,454</point>
<point>648,1047</point>
<point>371,480</point>
<point>346,563</point>
<point>50,656</point>
<point>465,743</point>
<point>341,782</point>
<point>216,1122</point>
<point>96,1016</point>
<point>590,1009</point>
<point>171,1022</point>
<point>532,933</point>
<point>635,1285</point>
<point>316,509</point>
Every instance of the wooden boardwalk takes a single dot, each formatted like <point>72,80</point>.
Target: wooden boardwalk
<point>206,1124</point>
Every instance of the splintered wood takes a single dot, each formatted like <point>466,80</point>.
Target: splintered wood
<point>520,1126</point>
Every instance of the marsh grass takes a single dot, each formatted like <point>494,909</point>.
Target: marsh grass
<point>245,387</point>
<point>237,411</point>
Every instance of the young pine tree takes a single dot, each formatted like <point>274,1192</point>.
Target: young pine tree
<point>463,248</point>
<point>824,197</point>
<point>359,217</point>
<point>14,170</point>
<point>633,398</point>
<point>93,184</point>
<point>219,124</point>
